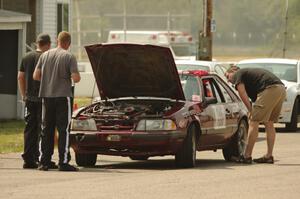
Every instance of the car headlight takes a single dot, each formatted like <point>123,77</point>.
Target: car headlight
<point>156,125</point>
<point>83,125</point>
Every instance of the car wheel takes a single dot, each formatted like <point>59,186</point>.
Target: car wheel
<point>85,159</point>
<point>292,126</point>
<point>139,157</point>
<point>237,144</point>
<point>186,156</point>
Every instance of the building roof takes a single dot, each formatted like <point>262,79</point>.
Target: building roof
<point>10,16</point>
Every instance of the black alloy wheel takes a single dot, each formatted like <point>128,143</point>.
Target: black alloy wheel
<point>186,156</point>
<point>238,143</point>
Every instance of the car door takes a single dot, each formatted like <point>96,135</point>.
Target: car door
<point>216,128</point>
<point>230,102</point>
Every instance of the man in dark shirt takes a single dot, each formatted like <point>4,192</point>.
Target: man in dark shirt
<point>29,90</point>
<point>267,94</point>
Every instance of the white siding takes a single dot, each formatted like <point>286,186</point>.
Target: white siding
<point>47,17</point>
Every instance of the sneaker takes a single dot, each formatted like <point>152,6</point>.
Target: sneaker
<point>43,167</point>
<point>67,167</point>
<point>30,165</point>
<point>264,159</point>
<point>52,165</point>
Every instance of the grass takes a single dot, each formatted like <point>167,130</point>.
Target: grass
<point>11,136</point>
<point>82,101</point>
<point>11,131</point>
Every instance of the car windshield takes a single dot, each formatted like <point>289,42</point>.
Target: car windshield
<point>191,67</point>
<point>286,72</point>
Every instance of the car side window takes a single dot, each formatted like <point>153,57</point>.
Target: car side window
<point>220,70</point>
<point>226,95</point>
<point>210,89</point>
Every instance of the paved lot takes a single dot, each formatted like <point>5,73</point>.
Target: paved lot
<point>116,177</point>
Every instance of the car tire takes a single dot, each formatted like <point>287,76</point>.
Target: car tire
<point>139,157</point>
<point>186,156</point>
<point>237,145</point>
<point>85,159</point>
<point>292,126</point>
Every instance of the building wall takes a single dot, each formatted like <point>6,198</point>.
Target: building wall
<point>47,17</point>
<point>27,7</point>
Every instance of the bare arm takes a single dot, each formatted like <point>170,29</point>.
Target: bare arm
<point>37,74</point>
<point>244,97</point>
<point>22,83</point>
<point>75,77</point>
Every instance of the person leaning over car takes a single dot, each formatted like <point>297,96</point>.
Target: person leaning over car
<point>29,90</point>
<point>56,69</point>
<point>267,94</point>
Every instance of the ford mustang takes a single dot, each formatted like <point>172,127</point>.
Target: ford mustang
<point>148,109</point>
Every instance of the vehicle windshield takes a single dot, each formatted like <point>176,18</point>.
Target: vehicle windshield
<point>286,72</point>
<point>191,67</point>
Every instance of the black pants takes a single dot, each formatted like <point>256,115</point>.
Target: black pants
<point>56,112</point>
<point>32,131</point>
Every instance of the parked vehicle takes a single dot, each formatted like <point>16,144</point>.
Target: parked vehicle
<point>288,71</point>
<point>148,109</point>
<point>182,44</point>
<point>209,66</point>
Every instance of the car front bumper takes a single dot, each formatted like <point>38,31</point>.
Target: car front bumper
<point>127,143</point>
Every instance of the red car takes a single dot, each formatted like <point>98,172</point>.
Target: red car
<point>148,109</point>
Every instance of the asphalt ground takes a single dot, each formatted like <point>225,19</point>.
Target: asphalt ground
<point>120,177</point>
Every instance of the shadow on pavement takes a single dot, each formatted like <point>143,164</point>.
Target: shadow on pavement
<point>165,164</point>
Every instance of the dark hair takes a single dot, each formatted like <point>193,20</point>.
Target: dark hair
<point>43,39</point>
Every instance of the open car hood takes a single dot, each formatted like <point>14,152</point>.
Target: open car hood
<point>133,70</point>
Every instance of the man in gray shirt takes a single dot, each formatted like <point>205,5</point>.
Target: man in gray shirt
<point>55,69</point>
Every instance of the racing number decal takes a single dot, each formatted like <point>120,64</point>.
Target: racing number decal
<point>219,116</point>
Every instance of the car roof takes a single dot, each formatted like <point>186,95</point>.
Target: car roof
<point>269,60</point>
<point>196,62</point>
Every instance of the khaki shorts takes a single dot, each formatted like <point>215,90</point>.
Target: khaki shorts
<point>268,104</point>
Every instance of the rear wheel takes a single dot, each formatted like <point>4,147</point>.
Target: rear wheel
<point>85,159</point>
<point>292,126</point>
<point>238,143</point>
<point>186,156</point>
<point>138,157</point>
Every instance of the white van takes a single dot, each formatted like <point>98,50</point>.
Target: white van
<point>181,44</point>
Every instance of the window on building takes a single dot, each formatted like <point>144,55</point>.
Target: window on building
<point>62,17</point>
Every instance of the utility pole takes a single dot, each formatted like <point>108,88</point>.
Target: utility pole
<point>125,19</point>
<point>205,36</point>
<point>285,30</point>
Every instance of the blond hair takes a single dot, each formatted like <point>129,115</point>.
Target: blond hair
<point>64,37</point>
<point>232,68</point>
